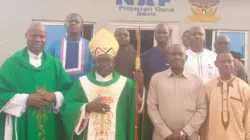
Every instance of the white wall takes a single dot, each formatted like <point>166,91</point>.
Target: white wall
<point>16,15</point>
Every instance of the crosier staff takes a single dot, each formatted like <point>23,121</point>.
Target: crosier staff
<point>138,69</point>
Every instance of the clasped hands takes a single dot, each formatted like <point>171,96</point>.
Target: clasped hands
<point>40,98</point>
<point>174,136</point>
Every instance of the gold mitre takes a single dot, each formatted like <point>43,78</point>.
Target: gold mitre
<point>103,42</point>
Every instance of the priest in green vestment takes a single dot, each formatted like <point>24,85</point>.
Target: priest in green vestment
<point>32,88</point>
<point>101,104</point>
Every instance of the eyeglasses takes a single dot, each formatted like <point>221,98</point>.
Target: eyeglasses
<point>223,43</point>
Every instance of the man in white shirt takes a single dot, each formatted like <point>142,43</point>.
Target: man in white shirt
<point>32,89</point>
<point>200,60</point>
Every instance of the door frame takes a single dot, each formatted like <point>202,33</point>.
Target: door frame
<point>176,33</point>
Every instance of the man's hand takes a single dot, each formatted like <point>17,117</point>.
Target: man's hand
<point>174,136</point>
<point>177,135</point>
<point>170,137</point>
<point>37,100</point>
<point>50,96</point>
<point>98,106</point>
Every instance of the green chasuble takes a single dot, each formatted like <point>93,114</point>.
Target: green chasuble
<point>118,124</point>
<point>17,75</point>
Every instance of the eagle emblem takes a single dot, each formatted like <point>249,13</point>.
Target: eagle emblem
<point>204,10</point>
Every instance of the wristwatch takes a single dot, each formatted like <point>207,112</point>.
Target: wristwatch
<point>183,136</point>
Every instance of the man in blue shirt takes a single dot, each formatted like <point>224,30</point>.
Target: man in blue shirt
<point>154,59</point>
<point>73,50</point>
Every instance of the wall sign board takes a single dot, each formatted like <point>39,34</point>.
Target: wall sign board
<point>144,7</point>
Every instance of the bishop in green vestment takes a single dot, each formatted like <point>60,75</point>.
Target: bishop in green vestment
<point>32,88</point>
<point>101,105</point>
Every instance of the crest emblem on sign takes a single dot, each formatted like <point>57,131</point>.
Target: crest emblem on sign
<point>204,10</point>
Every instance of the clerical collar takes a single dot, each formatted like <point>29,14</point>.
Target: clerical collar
<point>103,79</point>
<point>34,56</point>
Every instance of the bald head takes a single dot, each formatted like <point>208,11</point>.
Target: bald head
<point>222,37</point>
<point>222,44</point>
<point>177,56</point>
<point>224,54</point>
<point>196,28</point>
<point>35,26</point>
<point>197,39</point>
<point>36,37</point>
<point>176,46</point>
<point>162,35</point>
